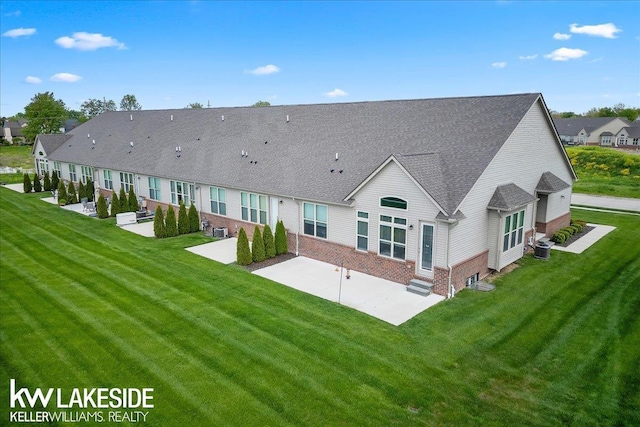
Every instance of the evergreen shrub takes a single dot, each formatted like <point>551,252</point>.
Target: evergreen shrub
<point>170,226</point>
<point>183,220</point>
<point>158,224</point>
<point>37,186</point>
<point>103,211</point>
<point>194,219</point>
<point>243,252</point>
<point>257,245</point>
<point>281,239</point>
<point>269,243</point>
<point>26,186</point>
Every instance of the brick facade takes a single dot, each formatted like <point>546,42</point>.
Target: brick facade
<point>548,228</point>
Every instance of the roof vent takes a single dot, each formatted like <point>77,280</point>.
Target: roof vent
<point>94,142</point>
<point>131,117</point>
<point>287,118</point>
<point>88,136</point>
<point>172,117</point>
<point>336,157</point>
<point>223,118</point>
<point>131,143</point>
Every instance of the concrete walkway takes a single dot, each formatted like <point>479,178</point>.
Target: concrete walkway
<point>584,242</point>
<point>606,202</point>
<point>223,251</point>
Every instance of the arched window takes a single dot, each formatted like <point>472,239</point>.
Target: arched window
<point>393,202</point>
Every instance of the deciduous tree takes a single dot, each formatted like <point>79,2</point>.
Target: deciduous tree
<point>129,103</point>
<point>92,107</point>
<point>45,114</point>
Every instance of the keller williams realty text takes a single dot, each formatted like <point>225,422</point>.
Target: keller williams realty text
<point>86,398</point>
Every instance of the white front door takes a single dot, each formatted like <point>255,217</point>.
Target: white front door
<point>273,217</point>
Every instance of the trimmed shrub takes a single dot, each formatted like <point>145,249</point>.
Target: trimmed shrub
<point>243,252</point>
<point>55,180</point>
<point>62,193</point>
<point>37,186</point>
<point>82,193</point>
<point>281,239</point>
<point>257,245</point>
<point>115,204</point>
<point>559,237</point>
<point>122,200</point>
<point>183,220</point>
<point>103,211</point>
<point>72,196</point>
<point>170,226</point>
<point>90,189</point>
<point>47,182</point>
<point>133,201</point>
<point>26,186</point>
<point>194,219</point>
<point>158,224</point>
<point>269,243</point>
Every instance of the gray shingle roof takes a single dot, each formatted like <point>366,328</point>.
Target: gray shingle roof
<point>509,197</point>
<point>549,183</point>
<point>573,125</point>
<point>51,142</point>
<point>633,131</point>
<point>445,144</point>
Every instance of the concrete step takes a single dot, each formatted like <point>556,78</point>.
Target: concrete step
<point>420,287</point>
<point>418,290</point>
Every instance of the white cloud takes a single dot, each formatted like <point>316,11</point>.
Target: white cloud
<point>86,41</point>
<point>528,57</point>
<point>499,64</point>
<point>607,31</point>
<point>560,36</point>
<point>335,93</point>
<point>33,80</point>
<point>19,32</point>
<point>65,77</point>
<point>264,70</point>
<point>565,54</point>
<point>14,13</point>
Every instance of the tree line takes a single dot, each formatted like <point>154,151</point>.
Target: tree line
<point>618,110</point>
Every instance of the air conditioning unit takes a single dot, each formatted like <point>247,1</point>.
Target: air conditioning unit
<point>220,233</point>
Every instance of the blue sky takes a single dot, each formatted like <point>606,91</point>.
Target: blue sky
<point>171,53</point>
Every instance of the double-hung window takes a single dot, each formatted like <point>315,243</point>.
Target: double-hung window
<point>393,237</point>
<point>218,198</point>
<point>362,231</point>
<point>154,188</point>
<point>315,220</point>
<point>87,173</point>
<point>57,169</point>
<point>108,179</point>
<point>182,192</point>
<point>72,173</point>
<point>43,165</point>
<point>254,207</point>
<point>126,180</point>
<point>513,230</point>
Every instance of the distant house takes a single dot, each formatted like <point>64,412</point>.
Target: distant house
<point>444,190</point>
<point>629,136</point>
<point>590,130</point>
<point>12,129</point>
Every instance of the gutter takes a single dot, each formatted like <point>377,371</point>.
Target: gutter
<point>298,225</point>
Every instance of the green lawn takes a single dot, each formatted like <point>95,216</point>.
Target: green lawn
<point>605,171</point>
<point>85,304</point>
<point>16,156</point>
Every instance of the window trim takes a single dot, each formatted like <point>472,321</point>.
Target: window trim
<point>72,173</point>
<point>315,221</point>
<point>247,208</point>
<point>108,181</point>
<point>364,220</point>
<point>155,189</point>
<point>86,172</point>
<point>393,199</point>
<point>513,232</point>
<point>394,225</point>
<point>123,181</point>
<point>175,195</point>
<point>218,191</point>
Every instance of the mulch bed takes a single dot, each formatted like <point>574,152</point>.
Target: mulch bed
<point>576,236</point>
<point>269,262</point>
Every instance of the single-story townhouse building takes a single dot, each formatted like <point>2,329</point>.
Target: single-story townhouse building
<point>629,136</point>
<point>590,130</point>
<point>444,190</point>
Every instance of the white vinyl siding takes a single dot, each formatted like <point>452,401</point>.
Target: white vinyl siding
<point>154,188</point>
<point>218,199</point>
<point>315,220</point>
<point>253,207</point>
